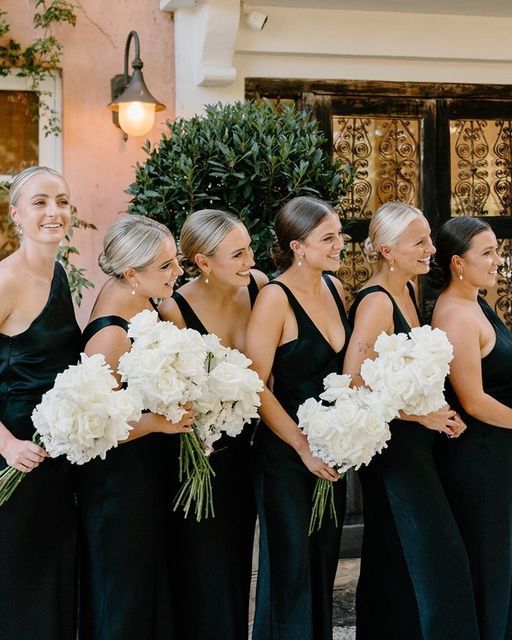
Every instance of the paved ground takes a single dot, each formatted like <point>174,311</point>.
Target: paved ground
<point>343,601</point>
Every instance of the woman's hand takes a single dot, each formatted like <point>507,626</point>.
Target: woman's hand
<point>23,455</point>
<point>158,424</point>
<point>317,466</point>
<point>444,420</point>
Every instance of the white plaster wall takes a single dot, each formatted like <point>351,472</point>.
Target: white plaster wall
<point>352,45</point>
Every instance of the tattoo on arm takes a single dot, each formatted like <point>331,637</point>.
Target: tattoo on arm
<point>364,347</point>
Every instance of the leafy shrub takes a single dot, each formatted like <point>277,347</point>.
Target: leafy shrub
<point>247,158</point>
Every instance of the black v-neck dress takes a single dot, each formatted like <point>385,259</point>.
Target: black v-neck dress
<point>211,560</point>
<point>414,582</point>
<point>38,523</point>
<point>476,471</point>
<point>296,571</point>
<point>123,504</point>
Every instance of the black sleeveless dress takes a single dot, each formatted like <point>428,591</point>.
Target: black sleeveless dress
<point>38,523</point>
<point>414,582</point>
<point>296,572</point>
<point>123,503</point>
<point>476,472</point>
<point>212,559</point>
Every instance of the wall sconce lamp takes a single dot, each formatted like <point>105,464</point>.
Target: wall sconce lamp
<point>132,105</point>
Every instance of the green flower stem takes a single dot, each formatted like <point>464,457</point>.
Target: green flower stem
<point>323,497</point>
<point>195,475</point>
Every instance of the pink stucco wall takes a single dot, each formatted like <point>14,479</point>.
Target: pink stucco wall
<point>97,163</point>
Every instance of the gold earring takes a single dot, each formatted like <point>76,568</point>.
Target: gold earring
<point>391,266</point>
<point>299,263</point>
<point>133,288</point>
<point>461,274</point>
<point>207,277</point>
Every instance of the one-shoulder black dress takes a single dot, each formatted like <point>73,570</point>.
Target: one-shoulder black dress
<point>407,515</point>
<point>476,471</point>
<point>296,571</point>
<point>38,523</point>
<point>212,559</point>
<point>123,505</point>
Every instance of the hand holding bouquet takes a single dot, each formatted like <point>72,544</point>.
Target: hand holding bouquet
<point>81,417</point>
<point>347,432</point>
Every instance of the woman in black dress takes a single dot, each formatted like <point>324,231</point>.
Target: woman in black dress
<point>410,529</point>
<point>39,338</point>
<point>297,333</point>
<point>213,567</point>
<point>476,468</point>
<point>124,500</point>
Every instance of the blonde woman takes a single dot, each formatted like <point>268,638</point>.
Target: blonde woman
<point>213,567</point>
<point>414,581</point>
<point>124,500</point>
<point>39,338</point>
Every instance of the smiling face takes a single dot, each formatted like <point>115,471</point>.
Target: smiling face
<point>322,246</point>
<point>232,260</point>
<point>414,248</point>
<point>479,265</point>
<point>43,210</point>
<point>158,278</point>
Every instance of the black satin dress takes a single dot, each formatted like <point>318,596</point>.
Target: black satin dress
<point>476,471</point>
<point>38,523</point>
<point>414,582</point>
<point>211,560</point>
<point>123,503</point>
<point>296,571</point>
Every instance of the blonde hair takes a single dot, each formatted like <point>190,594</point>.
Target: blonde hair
<point>202,232</point>
<point>24,176</point>
<point>387,225</point>
<point>133,241</point>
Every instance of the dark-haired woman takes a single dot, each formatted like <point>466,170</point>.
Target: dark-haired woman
<point>476,468</point>
<point>297,332</point>
<point>212,570</point>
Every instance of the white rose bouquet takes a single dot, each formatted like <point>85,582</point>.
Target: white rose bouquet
<point>167,366</point>
<point>345,433</point>
<point>410,370</point>
<point>229,399</point>
<point>81,417</point>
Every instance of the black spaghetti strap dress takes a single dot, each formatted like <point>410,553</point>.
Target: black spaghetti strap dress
<point>414,581</point>
<point>123,503</point>
<point>212,568</point>
<point>476,472</point>
<point>296,571</point>
<point>38,523</point>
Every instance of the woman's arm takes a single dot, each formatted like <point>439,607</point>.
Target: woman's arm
<point>464,332</point>
<point>263,337</point>
<point>112,342</point>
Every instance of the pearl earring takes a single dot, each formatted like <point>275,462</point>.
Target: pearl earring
<point>299,263</point>
<point>207,278</point>
<point>134,287</point>
<point>461,275</point>
<point>391,267</point>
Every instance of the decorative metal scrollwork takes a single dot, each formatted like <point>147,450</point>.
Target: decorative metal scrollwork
<point>386,154</point>
<point>355,270</point>
<point>481,167</point>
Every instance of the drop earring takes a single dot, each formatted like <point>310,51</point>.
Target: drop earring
<point>391,266</point>
<point>299,263</point>
<point>461,274</point>
<point>207,277</point>
<point>133,288</point>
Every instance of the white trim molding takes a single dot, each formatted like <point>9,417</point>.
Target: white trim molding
<point>50,146</point>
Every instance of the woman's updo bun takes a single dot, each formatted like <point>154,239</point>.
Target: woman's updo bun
<point>133,241</point>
